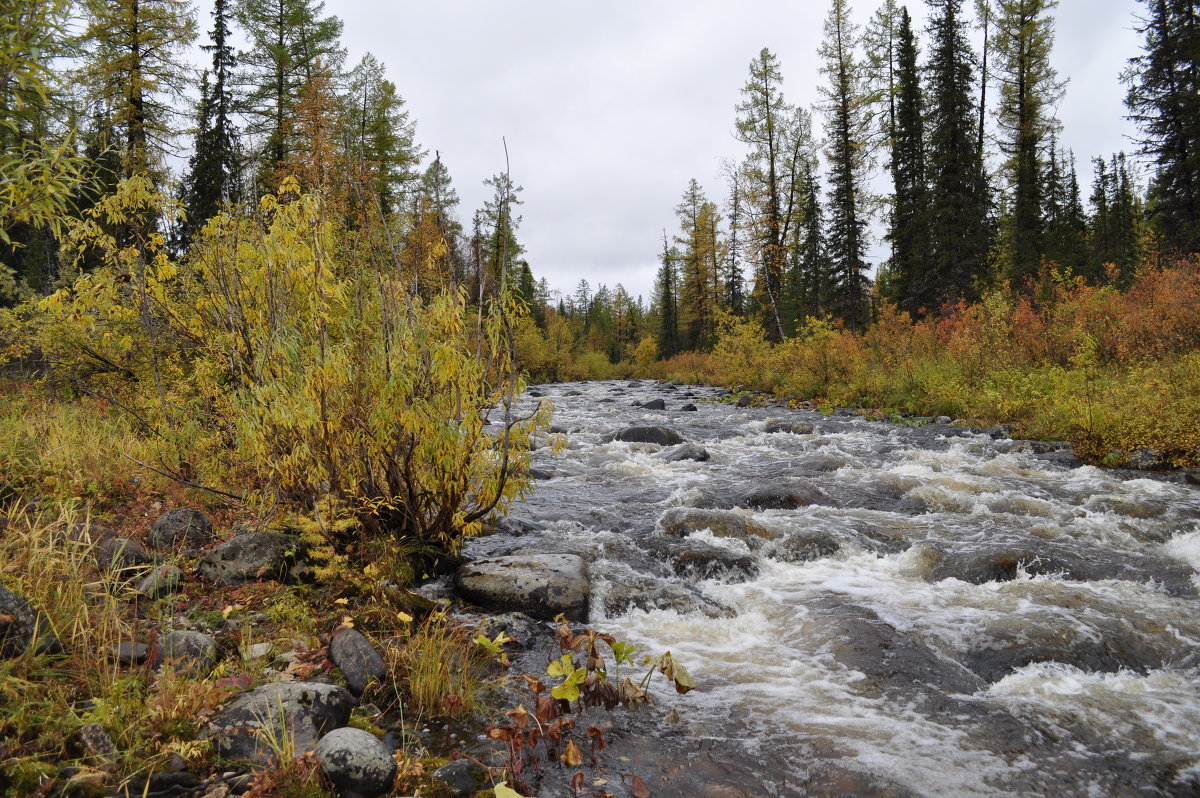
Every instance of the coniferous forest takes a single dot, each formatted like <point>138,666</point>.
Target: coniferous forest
<point>247,289</point>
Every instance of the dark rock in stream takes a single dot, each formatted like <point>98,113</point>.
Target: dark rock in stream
<point>685,451</point>
<point>539,585</point>
<point>890,660</point>
<point>792,427</point>
<point>681,521</point>
<point>695,558</point>
<point>802,547</point>
<point>643,592</point>
<point>690,407</point>
<point>655,404</point>
<point>784,496</point>
<point>659,435</point>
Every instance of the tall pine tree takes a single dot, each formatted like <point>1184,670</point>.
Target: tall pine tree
<point>846,105</point>
<point>959,202</point>
<point>1164,101</point>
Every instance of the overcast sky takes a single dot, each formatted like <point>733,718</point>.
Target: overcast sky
<point>610,108</point>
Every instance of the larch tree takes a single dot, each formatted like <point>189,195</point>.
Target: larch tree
<point>959,199</point>
<point>846,104</point>
<point>379,134</point>
<point>287,38</point>
<point>1164,100</point>
<point>699,260</point>
<point>135,69</point>
<point>1029,90</point>
<point>778,135</point>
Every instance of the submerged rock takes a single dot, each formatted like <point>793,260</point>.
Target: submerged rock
<point>682,521</point>
<point>792,427</point>
<point>289,716</point>
<point>780,496</point>
<point>541,586</point>
<point>694,558</point>
<point>685,451</point>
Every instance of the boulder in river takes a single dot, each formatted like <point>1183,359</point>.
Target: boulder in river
<point>655,404</point>
<point>289,716</point>
<point>253,555</point>
<point>685,451</point>
<point>662,436</point>
<point>538,585</point>
<point>792,427</point>
<point>682,521</point>
<point>779,496</point>
<point>690,557</point>
<point>646,592</point>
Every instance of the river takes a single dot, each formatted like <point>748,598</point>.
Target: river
<point>943,612</point>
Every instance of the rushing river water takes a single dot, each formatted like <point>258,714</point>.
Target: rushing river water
<point>941,614</point>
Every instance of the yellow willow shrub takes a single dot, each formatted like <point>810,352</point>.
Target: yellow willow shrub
<point>273,366</point>
<point>742,353</point>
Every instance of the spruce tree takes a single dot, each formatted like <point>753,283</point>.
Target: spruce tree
<point>213,174</point>
<point>914,283</point>
<point>379,134</point>
<point>1029,89</point>
<point>666,298</point>
<point>959,202</point>
<point>1164,100</point>
<point>847,122</point>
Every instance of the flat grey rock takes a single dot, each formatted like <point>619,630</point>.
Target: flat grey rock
<point>295,713</point>
<point>541,586</point>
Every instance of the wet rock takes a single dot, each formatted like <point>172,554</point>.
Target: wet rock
<point>539,585</point>
<point>999,431</point>
<point>539,474</point>
<point>1009,649</point>
<point>655,404</point>
<point>519,627</point>
<point>18,624</point>
<point>357,763</point>
<point>787,496</point>
<point>682,521</point>
<point>115,554</point>
<point>462,777</point>
<point>162,581</point>
<point>297,713</point>
<point>942,420</point>
<point>685,451</point>
<point>695,558</point>
<point>1004,562</point>
<point>357,659</point>
<point>1146,460</point>
<point>512,526</point>
<point>182,526</point>
<point>690,407</point>
<point>1039,447</point>
<point>1192,476</point>
<point>191,652</point>
<point>648,593</point>
<point>659,435</point>
<point>863,641</point>
<point>253,555</point>
<point>792,427</point>
<point>802,547</point>
<point>746,400</point>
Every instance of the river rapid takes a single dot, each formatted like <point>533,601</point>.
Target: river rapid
<point>937,612</point>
